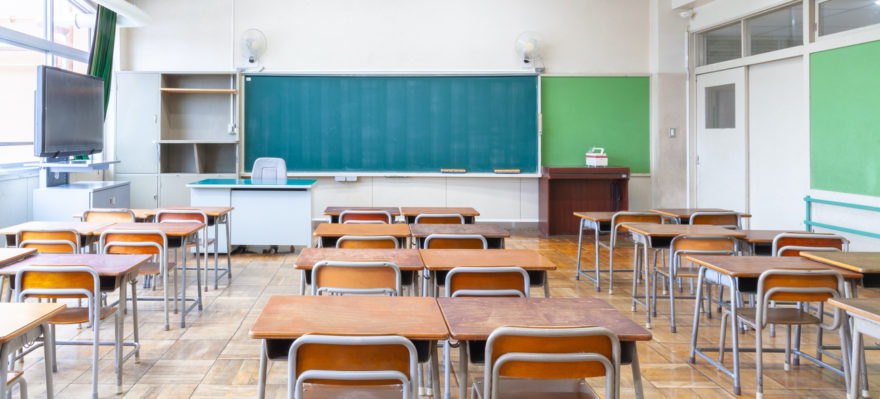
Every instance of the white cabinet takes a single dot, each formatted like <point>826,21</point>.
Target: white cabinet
<point>173,129</point>
<point>62,202</point>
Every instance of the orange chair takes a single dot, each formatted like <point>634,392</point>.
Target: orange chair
<point>615,240</point>
<point>535,362</point>
<point>352,366</point>
<point>360,278</point>
<point>730,220</point>
<point>356,216</point>
<point>147,242</point>
<point>362,242</point>
<point>79,282</point>
<point>438,218</point>
<point>487,281</point>
<point>456,241</point>
<point>109,215</point>
<point>49,241</point>
<point>202,242</point>
<point>791,244</point>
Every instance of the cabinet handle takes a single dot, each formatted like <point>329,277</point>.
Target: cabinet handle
<point>155,118</point>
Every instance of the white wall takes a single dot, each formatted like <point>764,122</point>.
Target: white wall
<point>581,37</point>
<point>779,145</point>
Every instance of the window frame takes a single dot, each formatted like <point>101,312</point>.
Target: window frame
<point>49,48</point>
<point>817,20</point>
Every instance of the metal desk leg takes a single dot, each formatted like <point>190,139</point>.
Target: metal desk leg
<point>48,358</point>
<point>647,300</point>
<point>228,221</point>
<point>134,318</point>
<point>637,374</point>
<point>737,388</point>
<point>302,282</point>
<point>700,276</point>
<point>577,273</point>
<point>547,284</point>
<point>261,382</point>
<point>462,369</point>
<point>435,370</point>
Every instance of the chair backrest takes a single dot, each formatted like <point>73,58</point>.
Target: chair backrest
<point>56,281</point>
<point>49,241</point>
<point>181,215</point>
<point>110,215</point>
<point>456,241</point>
<point>730,220</point>
<point>355,216</point>
<point>797,286</point>
<point>359,278</point>
<point>269,169</point>
<point>632,217</point>
<point>487,281</point>
<point>439,218</point>
<point>367,242</point>
<point>149,242</point>
<point>351,360</point>
<point>552,353</point>
<point>791,244</point>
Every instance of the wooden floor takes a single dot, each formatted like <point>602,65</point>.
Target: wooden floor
<point>213,356</point>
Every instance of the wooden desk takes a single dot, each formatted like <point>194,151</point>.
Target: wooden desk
<point>11,255</point>
<point>493,233</point>
<point>740,274</point>
<point>285,318</point>
<point>407,260</point>
<point>329,233</point>
<point>179,235</point>
<point>650,235</point>
<point>563,190</point>
<point>334,211</point>
<point>410,212</point>
<point>86,230</point>
<point>867,263</point>
<point>683,215</point>
<point>116,272</point>
<point>443,260</point>
<point>865,316</point>
<point>24,323</point>
<point>474,319</point>
<point>599,222</point>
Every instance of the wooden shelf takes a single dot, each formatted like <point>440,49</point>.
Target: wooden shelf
<point>176,90</point>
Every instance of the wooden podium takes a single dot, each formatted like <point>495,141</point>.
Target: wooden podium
<point>564,190</point>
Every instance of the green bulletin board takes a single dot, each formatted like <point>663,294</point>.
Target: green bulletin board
<point>845,119</point>
<point>609,112</point>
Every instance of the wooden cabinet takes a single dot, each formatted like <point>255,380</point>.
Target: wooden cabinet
<point>173,129</point>
<point>565,190</point>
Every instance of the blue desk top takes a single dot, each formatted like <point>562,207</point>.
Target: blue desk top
<point>248,183</point>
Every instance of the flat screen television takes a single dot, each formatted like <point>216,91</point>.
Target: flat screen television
<point>69,113</point>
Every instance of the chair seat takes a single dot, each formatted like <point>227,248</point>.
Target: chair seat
<point>779,316</point>
<point>13,375</point>
<point>528,388</point>
<point>77,315</point>
<point>353,391</point>
<point>152,268</point>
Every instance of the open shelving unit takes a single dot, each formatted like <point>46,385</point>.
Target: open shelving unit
<point>193,129</point>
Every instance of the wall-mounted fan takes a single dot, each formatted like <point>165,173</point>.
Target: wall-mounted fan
<point>528,48</point>
<point>253,44</point>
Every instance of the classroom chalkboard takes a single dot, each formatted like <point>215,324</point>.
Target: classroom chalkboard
<point>844,119</point>
<point>392,123</point>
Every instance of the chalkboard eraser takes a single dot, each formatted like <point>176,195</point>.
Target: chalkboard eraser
<point>506,171</point>
<point>453,170</point>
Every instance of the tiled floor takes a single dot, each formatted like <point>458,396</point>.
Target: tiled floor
<point>213,357</point>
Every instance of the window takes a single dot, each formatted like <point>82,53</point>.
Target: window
<point>24,44</point>
<point>776,30</point>
<point>840,15</point>
<point>721,107</point>
<point>721,44</point>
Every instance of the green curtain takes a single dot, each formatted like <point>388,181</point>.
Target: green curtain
<point>101,59</point>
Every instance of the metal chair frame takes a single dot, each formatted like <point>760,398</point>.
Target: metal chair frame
<point>343,214</point>
<point>737,226</point>
<point>296,380</point>
<point>86,213</point>
<point>367,238</point>
<point>318,290</point>
<point>437,216</point>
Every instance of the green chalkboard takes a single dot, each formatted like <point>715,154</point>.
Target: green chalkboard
<point>609,112</point>
<point>845,119</point>
<point>420,124</point>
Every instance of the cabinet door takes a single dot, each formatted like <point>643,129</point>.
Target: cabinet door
<point>137,122</point>
<point>144,190</point>
<point>173,190</point>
